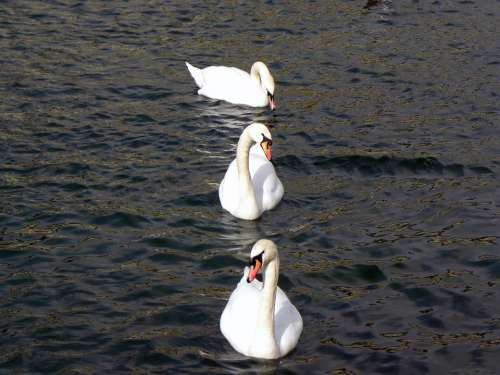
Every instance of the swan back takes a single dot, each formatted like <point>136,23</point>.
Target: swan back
<point>235,85</point>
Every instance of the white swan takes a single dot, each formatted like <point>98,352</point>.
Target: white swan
<point>259,320</point>
<point>250,185</point>
<point>235,85</point>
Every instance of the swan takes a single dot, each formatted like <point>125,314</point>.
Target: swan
<point>235,85</point>
<point>250,185</point>
<point>259,320</point>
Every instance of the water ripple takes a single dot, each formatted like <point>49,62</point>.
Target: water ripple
<point>115,255</point>
<point>390,165</point>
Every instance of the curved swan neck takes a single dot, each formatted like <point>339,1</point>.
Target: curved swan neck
<point>242,163</point>
<point>265,321</point>
<point>258,70</point>
<point>271,274</point>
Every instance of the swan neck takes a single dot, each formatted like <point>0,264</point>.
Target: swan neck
<point>258,71</point>
<point>266,314</point>
<point>255,72</point>
<point>242,163</point>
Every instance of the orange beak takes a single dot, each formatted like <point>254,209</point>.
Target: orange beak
<point>253,271</point>
<point>266,147</point>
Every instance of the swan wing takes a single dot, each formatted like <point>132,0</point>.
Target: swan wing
<point>287,323</point>
<point>229,188</point>
<point>267,186</point>
<point>238,320</point>
<point>233,85</point>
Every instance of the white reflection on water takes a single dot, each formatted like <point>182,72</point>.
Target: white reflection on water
<point>239,364</point>
<point>241,234</point>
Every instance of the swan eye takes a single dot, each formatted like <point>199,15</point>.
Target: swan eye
<point>265,139</point>
<point>253,261</point>
<point>255,266</point>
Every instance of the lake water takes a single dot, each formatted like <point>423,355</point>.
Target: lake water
<point>115,255</point>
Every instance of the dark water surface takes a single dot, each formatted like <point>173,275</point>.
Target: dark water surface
<point>115,254</point>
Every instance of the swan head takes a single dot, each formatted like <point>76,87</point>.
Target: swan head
<point>266,81</point>
<point>263,252</point>
<point>261,135</point>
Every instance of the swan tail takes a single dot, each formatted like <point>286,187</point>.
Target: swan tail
<point>196,74</point>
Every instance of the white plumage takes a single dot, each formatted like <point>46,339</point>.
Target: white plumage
<point>249,313</point>
<point>252,186</point>
<point>235,85</point>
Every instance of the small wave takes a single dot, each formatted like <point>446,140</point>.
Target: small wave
<point>220,261</point>
<point>172,244</point>
<point>208,199</point>
<point>121,219</point>
<point>140,119</point>
<point>56,169</point>
<point>293,162</point>
<point>390,165</point>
